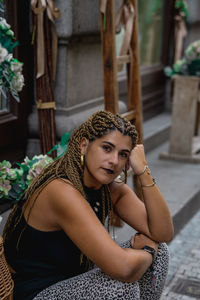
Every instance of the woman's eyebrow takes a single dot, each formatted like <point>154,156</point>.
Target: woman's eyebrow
<point>112,145</point>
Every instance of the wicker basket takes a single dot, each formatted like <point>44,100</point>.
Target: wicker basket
<point>6,282</point>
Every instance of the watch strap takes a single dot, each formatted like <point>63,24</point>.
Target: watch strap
<point>150,250</point>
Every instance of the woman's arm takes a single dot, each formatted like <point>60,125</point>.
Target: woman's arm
<point>151,217</point>
<point>75,216</point>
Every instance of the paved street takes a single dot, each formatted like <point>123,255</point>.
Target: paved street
<point>183,280</point>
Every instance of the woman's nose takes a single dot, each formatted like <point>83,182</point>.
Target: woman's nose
<point>114,158</point>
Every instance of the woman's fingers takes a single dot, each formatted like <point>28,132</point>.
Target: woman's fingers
<point>137,159</point>
<point>139,240</point>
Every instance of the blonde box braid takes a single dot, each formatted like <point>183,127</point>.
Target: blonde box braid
<point>69,165</point>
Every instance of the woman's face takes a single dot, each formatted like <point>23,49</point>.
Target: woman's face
<point>105,158</point>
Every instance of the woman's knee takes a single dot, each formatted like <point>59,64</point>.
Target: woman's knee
<point>161,263</point>
<point>109,288</point>
<point>163,252</point>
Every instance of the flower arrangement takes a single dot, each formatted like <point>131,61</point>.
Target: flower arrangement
<point>15,180</point>
<point>189,65</point>
<point>11,78</point>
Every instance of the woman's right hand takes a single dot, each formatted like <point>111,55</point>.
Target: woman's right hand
<point>139,240</point>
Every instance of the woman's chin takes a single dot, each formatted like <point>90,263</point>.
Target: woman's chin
<point>107,180</point>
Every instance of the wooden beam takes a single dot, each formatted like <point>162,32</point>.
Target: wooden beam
<point>130,115</point>
<point>135,101</point>
<point>109,59</point>
<point>123,59</point>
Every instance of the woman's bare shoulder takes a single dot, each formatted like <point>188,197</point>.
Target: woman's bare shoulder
<point>63,196</point>
<point>55,199</point>
<point>60,186</point>
<point>62,189</point>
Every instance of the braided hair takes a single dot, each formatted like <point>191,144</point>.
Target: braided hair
<point>69,165</point>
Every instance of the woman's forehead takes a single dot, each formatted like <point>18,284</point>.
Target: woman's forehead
<point>116,137</point>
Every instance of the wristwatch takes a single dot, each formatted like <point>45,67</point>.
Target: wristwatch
<point>150,250</point>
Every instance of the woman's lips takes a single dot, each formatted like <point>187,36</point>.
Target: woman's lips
<point>108,171</point>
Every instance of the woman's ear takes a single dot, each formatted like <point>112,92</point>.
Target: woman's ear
<point>83,145</point>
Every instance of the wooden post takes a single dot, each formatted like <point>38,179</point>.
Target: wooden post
<point>109,58</point>
<point>134,89</point>
<point>44,93</point>
<point>135,101</point>
<point>110,61</point>
<point>110,69</point>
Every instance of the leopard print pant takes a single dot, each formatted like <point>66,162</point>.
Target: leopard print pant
<point>96,285</point>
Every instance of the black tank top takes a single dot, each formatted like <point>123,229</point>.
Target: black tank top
<point>43,258</point>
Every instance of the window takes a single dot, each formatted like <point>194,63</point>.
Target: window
<point>150,31</point>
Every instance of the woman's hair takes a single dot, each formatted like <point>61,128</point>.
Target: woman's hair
<point>69,165</point>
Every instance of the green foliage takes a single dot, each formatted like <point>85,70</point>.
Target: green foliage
<point>182,7</point>
<point>61,148</point>
<point>189,65</point>
<point>14,181</point>
<point>7,37</point>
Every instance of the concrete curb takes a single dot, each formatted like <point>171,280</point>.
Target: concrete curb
<point>187,211</point>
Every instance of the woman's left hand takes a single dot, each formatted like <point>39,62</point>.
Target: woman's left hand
<point>137,159</point>
<point>139,240</point>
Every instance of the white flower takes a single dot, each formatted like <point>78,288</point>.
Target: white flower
<point>40,156</point>
<point>3,23</point>
<point>11,79</point>
<point>16,66</point>
<point>17,82</point>
<point>26,160</point>
<point>38,166</point>
<point>3,53</point>
<point>9,57</point>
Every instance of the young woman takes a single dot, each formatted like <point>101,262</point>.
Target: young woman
<point>55,239</point>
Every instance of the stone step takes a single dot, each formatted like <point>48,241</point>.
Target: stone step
<point>156,131</point>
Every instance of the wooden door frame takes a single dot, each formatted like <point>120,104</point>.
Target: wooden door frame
<point>13,124</point>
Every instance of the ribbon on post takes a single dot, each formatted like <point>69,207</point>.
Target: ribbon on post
<point>125,17</point>
<point>45,105</point>
<point>38,7</point>
<point>180,34</point>
<point>103,4</point>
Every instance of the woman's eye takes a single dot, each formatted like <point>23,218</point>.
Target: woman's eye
<point>106,148</point>
<point>123,154</point>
